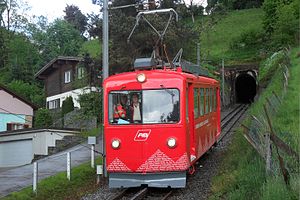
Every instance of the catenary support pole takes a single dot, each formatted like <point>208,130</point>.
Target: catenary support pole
<point>105,72</point>
<point>223,83</point>
<point>198,54</point>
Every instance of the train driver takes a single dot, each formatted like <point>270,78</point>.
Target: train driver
<point>136,109</point>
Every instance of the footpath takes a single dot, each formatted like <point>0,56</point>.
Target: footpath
<point>17,178</point>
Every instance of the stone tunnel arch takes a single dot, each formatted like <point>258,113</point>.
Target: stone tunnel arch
<point>245,87</point>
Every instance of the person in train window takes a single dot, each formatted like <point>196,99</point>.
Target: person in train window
<point>136,109</point>
<point>120,109</point>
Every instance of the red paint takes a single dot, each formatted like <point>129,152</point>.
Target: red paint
<point>144,148</point>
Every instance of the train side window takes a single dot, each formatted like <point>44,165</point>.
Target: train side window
<point>196,103</point>
<point>206,100</point>
<point>215,99</point>
<point>201,101</point>
<point>210,100</point>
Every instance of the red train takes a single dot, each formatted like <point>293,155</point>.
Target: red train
<point>158,123</point>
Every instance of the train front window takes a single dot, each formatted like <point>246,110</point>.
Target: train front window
<point>144,106</point>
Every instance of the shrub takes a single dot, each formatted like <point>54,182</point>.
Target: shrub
<point>67,106</point>
<point>91,104</point>
<point>43,118</point>
<point>248,39</point>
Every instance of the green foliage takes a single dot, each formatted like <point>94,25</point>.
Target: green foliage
<point>250,39</point>
<point>43,118</point>
<point>58,187</point>
<point>75,17</point>
<point>281,21</point>
<point>91,104</point>
<point>23,58</point>
<point>233,4</point>
<point>242,173</point>
<point>67,106</point>
<point>93,48</point>
<point>218,32</point>
<point>32,92</point>
<point>59,39</point>
<point>286,29</point>
<point>270,66</point>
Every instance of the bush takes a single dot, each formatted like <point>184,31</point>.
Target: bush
<point>67,106</point>
<point>43,118</point>
<point>248,40</point>
<point>91,104</point>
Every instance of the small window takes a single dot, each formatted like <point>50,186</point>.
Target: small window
<point>201,101</point>
<point>53,104</point>
<point>80,72</point>
<point>196,102</point>
<point>15,126</point>
<point>68,76</point>
<point>206,100</point>
<point>215,99</point>
<point>211,100</point>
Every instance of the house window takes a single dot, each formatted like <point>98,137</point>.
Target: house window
<point>80,72</point>
<point>53,104</point>
<point>16,126</point>
<point>68,76</point>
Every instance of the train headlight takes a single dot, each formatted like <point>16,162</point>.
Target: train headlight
<point>115,144</point>
<point>171,142</point>
<point>141,78</point>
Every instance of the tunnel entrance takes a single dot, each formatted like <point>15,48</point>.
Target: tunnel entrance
<point>245,85</point>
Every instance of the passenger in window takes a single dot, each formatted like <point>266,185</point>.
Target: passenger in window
<point>136,109</point>
<point>121,109</point>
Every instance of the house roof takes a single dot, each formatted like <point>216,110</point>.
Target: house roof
<point>2,87</point>
<point>37,130</point>
<point>49,65</point>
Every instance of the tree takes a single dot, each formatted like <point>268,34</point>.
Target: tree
<point>43,118</point>
<point>75,17</point>
<point>94,26</point>
<point>91,104</point>
<point>23,58</point>
<point>60,39</point>
<point>281,21</point>
<point>32,92</point>
<point>67,106</point>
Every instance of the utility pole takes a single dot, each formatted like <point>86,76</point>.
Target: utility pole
<point>223,82</point>
<point>105,74</point>
<point>198,54</point>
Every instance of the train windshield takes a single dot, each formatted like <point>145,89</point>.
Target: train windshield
<point>144,106</point>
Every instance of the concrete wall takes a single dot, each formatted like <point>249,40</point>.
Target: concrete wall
<point>9,118</point>
<point>19,148</point>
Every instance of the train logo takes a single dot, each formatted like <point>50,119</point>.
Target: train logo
<point>142,135</point>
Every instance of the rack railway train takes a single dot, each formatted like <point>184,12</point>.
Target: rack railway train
<point>158,121</point>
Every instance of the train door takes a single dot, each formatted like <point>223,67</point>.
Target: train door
<point>190,120</point>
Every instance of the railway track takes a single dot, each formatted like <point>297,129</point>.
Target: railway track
<point>227,123</point>
<point>143,193</point>
<point>231,118</point>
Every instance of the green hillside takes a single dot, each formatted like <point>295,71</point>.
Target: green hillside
<point>228,29</point>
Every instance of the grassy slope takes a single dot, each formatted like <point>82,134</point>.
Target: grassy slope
<point>242,173</point>
<point>229,27</point>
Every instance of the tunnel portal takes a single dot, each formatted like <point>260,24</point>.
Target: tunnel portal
<point>245,86</point>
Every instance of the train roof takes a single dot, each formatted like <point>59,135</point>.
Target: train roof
<point>163,74</point>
